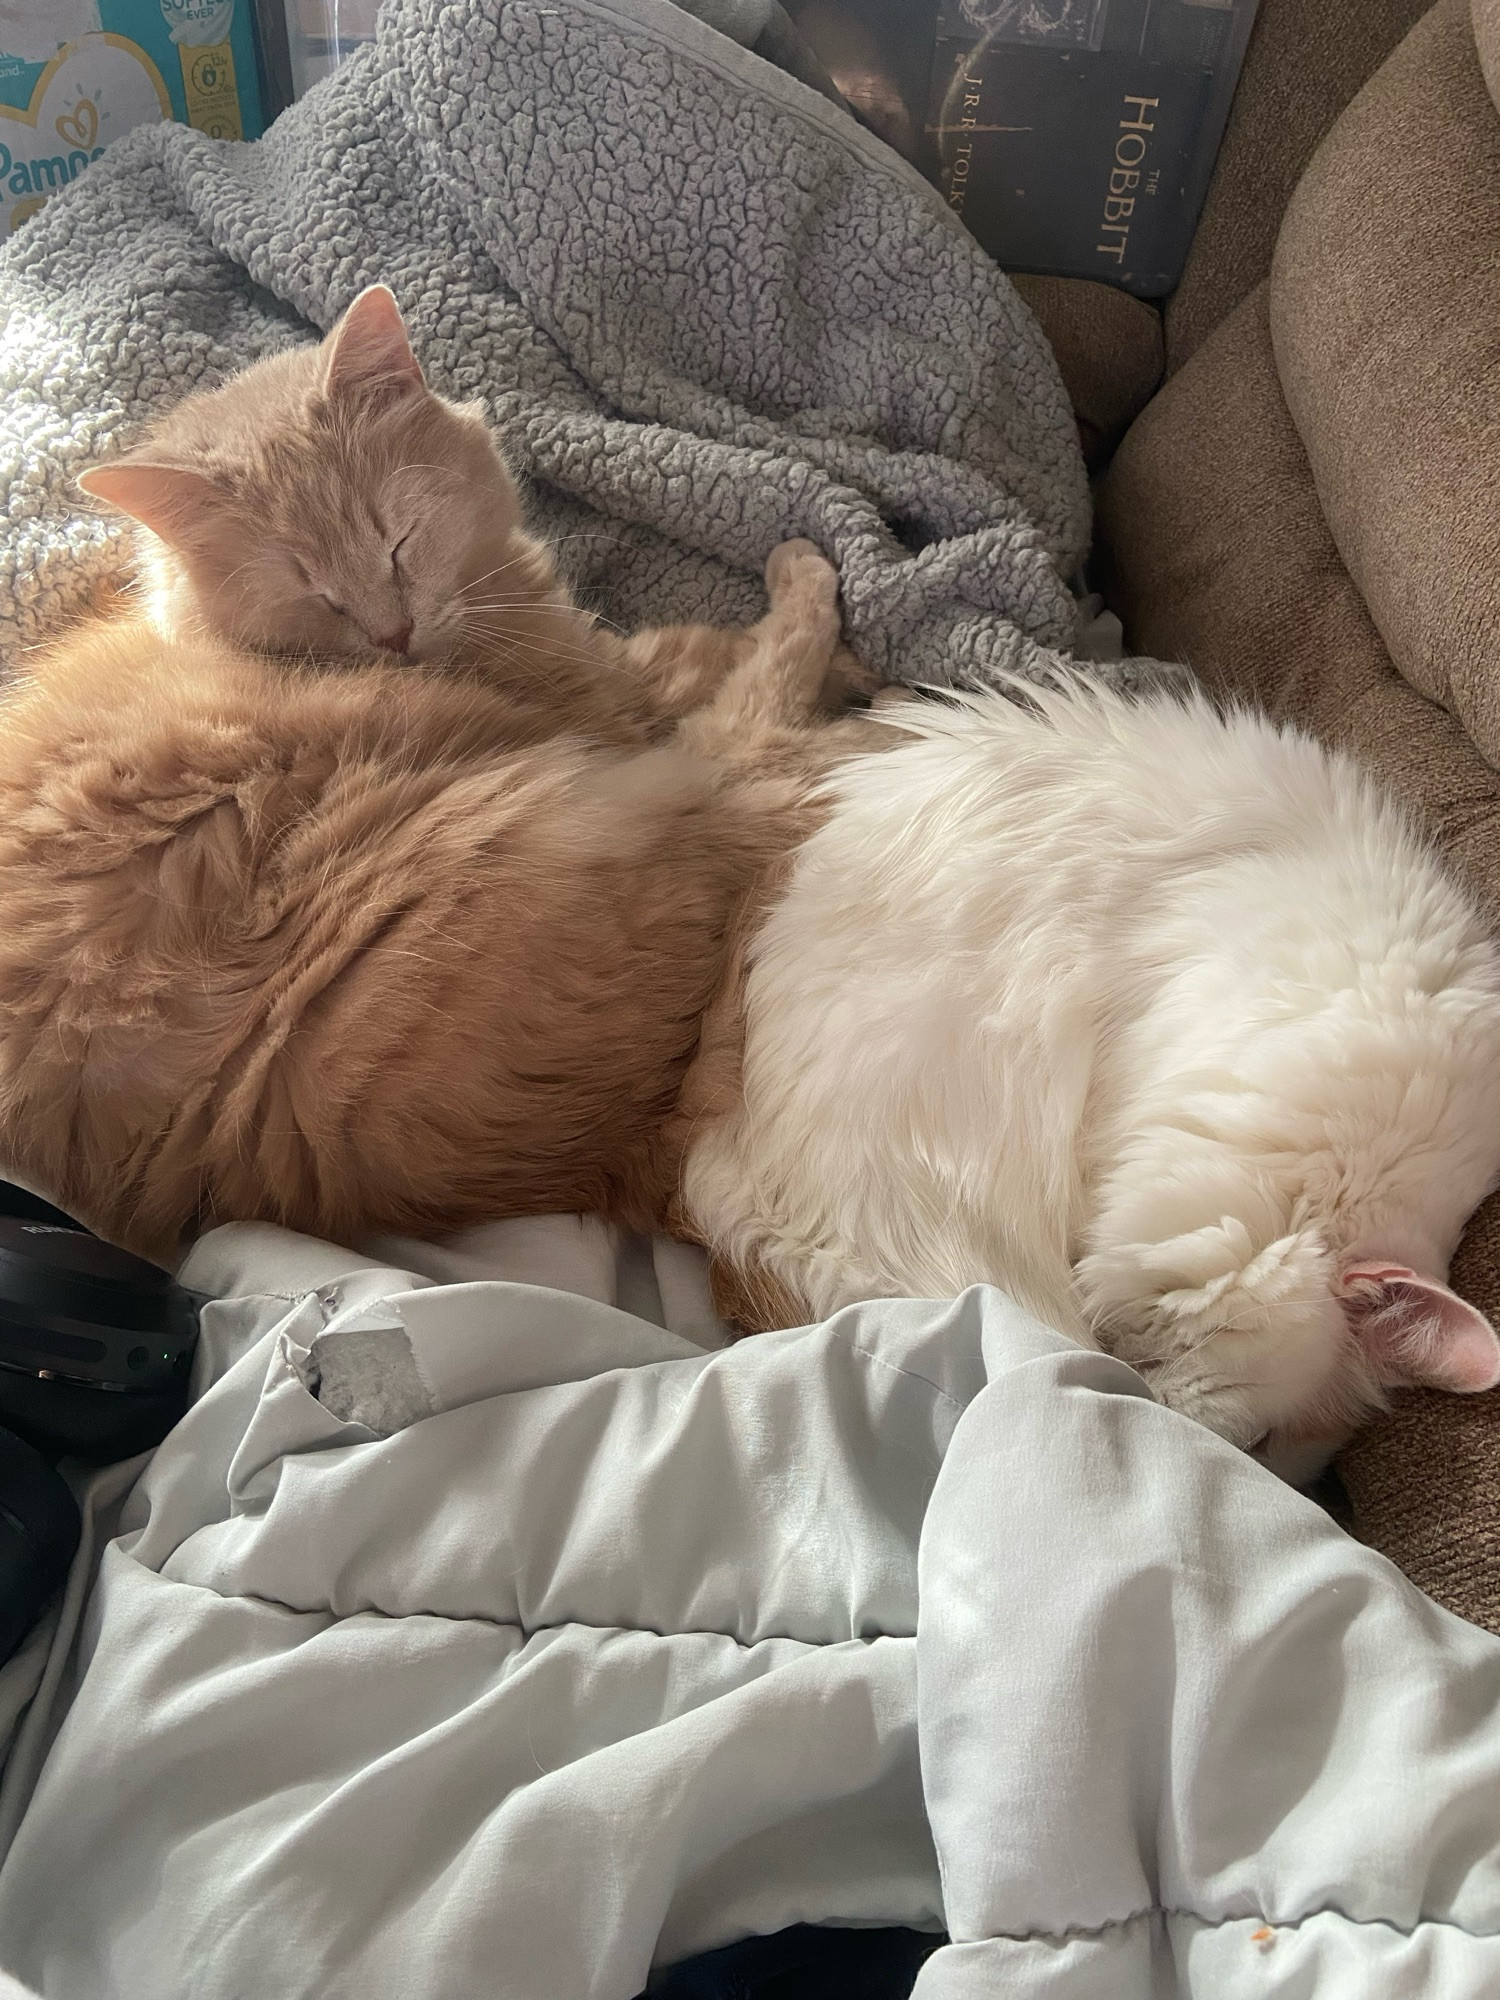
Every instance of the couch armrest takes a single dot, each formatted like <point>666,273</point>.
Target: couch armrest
<point>1385,315</point>
<point>1306,59</point>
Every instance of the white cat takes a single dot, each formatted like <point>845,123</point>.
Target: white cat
<point>1162,1020</point>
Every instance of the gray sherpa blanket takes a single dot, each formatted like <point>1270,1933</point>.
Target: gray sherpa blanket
<point>705,309</point>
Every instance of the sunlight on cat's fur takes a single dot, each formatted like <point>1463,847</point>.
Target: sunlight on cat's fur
<point>324,501</point>
<point>326,504</point>
<point>331,947</point>
<point>1164,1021</point>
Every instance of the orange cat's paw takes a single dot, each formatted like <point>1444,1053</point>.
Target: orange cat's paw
<point>800,569</point>
<point>849,680</point>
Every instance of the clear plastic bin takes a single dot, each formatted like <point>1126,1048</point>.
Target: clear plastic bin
<point>302,41</point>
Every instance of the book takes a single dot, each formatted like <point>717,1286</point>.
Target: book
<point>1074,137</point>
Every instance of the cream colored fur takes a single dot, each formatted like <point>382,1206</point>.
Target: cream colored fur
<point>1156,1018</point>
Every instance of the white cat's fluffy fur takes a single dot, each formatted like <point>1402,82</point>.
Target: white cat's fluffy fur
<point>1161,1019</point>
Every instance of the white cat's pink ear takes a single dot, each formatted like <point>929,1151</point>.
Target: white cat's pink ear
<point>164,498</point>
<point>369,353</point>
<point>1418,1332</point>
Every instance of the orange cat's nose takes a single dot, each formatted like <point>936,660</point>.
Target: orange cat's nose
<point>396,640</point>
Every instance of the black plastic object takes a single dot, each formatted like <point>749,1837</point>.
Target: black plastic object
<point>31,1208</point>
<point>39,1529</point>
<point>95,1345</point>
<point>807,1962</point>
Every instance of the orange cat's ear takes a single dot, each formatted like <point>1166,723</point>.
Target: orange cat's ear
<point>368,351</point>
<point>164,498</point>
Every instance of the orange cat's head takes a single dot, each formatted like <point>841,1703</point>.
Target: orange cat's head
<point>327,501</point>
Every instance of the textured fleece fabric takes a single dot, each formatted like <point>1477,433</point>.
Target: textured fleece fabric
<point>705,309</point>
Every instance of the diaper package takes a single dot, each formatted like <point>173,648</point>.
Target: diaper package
<point>75,74</point>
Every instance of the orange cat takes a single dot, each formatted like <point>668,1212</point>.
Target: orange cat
<point>301,943</point>
<point>294,932</point>
<point>327,504</point>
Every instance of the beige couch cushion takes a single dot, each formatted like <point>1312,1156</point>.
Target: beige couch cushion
<point>1385,313</point>
<point>1109,352</point>
<point>1216,552</point>
<point>1306,60</point>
